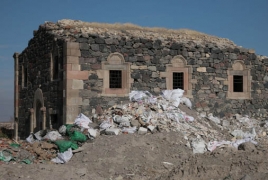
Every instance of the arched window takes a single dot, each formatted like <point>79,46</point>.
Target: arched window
<point>239,81</point>
<point>178,75</point>
<point>116,76</point>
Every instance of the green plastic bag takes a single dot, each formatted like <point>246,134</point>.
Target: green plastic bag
<point>64,145</point>
<point>26,161</point>
<point>4,156</point>
<point>15,145</point>
<point>68,128</point>
<point>78,136</point>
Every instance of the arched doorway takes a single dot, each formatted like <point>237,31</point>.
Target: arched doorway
<point>38,106</point>
<point>38,116</point>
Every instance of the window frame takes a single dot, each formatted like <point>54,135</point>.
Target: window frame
<point>115,61</point>
<point>239,69</point>
<point>179,65</point>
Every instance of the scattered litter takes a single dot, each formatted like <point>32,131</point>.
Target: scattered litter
<point>63,157</point>
<point>82,121</point>
<point>198,145</point>
<point>112,131</point>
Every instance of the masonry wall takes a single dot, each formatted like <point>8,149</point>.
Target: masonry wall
<point>37,59</point>
<point>149,59</point>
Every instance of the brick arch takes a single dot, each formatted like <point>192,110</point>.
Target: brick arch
<point>115,58</point>
<point>238,65</point>
<point>178,61</point>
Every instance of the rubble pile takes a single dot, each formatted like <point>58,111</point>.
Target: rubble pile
<point>144,114</point>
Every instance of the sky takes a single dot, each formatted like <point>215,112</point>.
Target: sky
<point>245,22</point>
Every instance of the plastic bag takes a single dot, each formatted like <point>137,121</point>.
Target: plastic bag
<point>62,130</point>
<point>139,95</point>
<point>187,102</point>
<point>15,145</point>
<point>199,146</point>
<point>53,136</point>
<point>4,157</point>
<point>78,136</point>
<point>130,130</point>
<point>64,145</point>
<point>173,96</point>
<point>68,128</point>
<point>82,121</point>
<point>63,157</point>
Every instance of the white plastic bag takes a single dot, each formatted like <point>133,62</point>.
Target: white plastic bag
<point>53,136</point>
<point>139,95</point>
<point>187,102</point>
<point>30,139</point>
<point>82,121</point>
<point>130,130</point>
<point>173,96</point>
<point>199,146</point>
<point>214,119</point>
<point>188,118</point>
<point>63,157</point>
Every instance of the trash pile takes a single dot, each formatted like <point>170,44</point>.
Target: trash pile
<point>144,114</point>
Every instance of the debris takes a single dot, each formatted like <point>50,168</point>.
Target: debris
<point>214,119</point>
<point>198,145</point>
<point>64,145</point>
<point>142,131</point>
<point>63,157</point>
<point>92,133</point>
<point>112,131</point>
<point>82,121</point>
<point>78,136</point>
<point>52,136</point>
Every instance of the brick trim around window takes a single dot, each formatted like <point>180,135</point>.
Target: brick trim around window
<point>116,62</point>
<point>239,69</point>
<point>179,65</point>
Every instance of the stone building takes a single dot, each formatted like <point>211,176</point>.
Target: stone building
<point>72,66</point>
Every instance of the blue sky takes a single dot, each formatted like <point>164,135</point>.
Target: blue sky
<point>243,21</point>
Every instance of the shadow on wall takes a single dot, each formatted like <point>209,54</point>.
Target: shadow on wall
<point>6,133</point>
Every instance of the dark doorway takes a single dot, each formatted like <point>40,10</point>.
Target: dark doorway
<point>38,116</point>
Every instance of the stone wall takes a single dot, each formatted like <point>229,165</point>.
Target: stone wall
<point>37,59</point>
<point>149,59</point>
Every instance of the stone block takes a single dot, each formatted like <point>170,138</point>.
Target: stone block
<point>163,74</point>
<point>85,102</point>
<point>79,75</point>
<point>112,131</point>
<point>71,45</point>
<point>155,74</point>
<point>77,84</point>
<point>142,131</point>
<point>72,52</point>
<point>152,68</point>
<point>220,79</point>
<point>71,60</point>
<point>76,67</point>
<point>73,100</point>
<point>71,113</point>
<point>201,69</point>
<point>251,51</point>
<point>134,67</point>
<point>143,67</point>
<point>72,93</point>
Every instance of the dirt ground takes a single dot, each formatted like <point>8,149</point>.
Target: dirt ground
<point>153,156</point>
<point>158,156</point>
